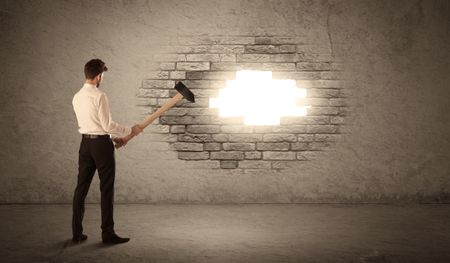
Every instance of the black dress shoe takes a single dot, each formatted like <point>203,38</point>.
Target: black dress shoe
<point>79,239</point>
<point>115,239</point>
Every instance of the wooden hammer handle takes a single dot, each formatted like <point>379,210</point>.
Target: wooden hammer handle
<point>152,117</point>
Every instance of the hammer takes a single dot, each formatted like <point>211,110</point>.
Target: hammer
<point>183,92</point>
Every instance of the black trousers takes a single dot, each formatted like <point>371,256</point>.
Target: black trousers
<point>95,154</point>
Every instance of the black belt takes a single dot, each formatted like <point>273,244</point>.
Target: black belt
<point>94,136</point>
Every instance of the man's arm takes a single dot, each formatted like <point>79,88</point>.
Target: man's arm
<point>110,126</point>
<point>113,127</point>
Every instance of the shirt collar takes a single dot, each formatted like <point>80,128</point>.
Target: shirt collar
<point>87,85</point>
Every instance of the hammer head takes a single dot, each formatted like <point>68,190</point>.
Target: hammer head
<point>183,90</point>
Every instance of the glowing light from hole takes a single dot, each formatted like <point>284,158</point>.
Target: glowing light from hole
<point>260,99</point>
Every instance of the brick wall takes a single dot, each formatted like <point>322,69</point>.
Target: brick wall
<point>204,64</point>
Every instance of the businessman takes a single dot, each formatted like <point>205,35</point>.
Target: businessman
<point>96,151</point>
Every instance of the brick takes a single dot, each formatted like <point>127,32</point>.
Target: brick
<point>262,49</point>
<point>272,66</point>
<point>158,84</point>
<point>253,58</point>
<point>228,164</point>
<point>178,75</point>
<point>197,84</point>
<point>321,83</point>
<point>279,138</point>
<point>252,155</point>
<point>206,119</point>
<point>334,75</point>
<point>287,40</point>
<point>263,40</point>
<point>146,102</point>
<point>220,137</point>
<point>158,128</point>
<point>300,146</point>
<point>323,111</point>
<point>296,75</point>
<point>245,137</point>
<point>152,93</point>
<point>175,112</point>
<point>194,75</point>
<point>178,129</point>
<point>193,66</point>
<point>233,40</point>
<point>203,111</point>
<point>229,155</point>
<point>238,146</point>
<point>212,146</point>
<point>167,66</point>
<point>267,58</point>
<point>326,137</point>
<point>314,48</point>
<point>297,121</point>
<point>288,48</point>
<point>187,146</point>
<point>203,93</point>
<point>274,155</point>
<point>313,66</point>
<point>288,128</point>
<point>317,146</point>
<point>224,66</point>
<point>317,102</point>
<point>254,164</point>
<point>237,129</point>
<point>305,137</point>
<point>203,57</point>
<point>195,137</point>
<point>193,155</point>
<point>203,128</point>
<point>263,128</point>
<point>336,120</point>
<point>285,58</point>
<point>227,57</point>
<point>321,128</point>
<point>157,75</point>
<point>337,102</point>
<point>272,146</point>
<point>323,93</point>
<point>314,57</point>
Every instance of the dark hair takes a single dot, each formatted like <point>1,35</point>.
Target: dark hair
<point>94,67</point>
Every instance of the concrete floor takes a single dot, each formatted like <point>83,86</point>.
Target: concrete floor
<point>232,233</point>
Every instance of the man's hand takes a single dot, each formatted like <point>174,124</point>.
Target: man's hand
<point>135,130</point>
<point>119,142</point>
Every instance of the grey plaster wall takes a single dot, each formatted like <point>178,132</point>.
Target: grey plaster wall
<point>394,146</point>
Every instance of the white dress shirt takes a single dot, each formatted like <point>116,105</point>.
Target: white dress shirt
<point>93,115</point>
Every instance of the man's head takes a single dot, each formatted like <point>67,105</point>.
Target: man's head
<point>93,70</point>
